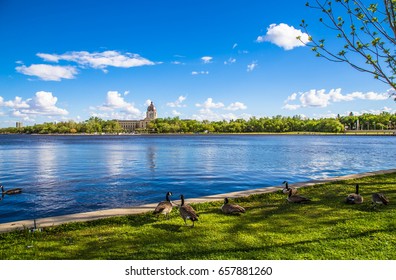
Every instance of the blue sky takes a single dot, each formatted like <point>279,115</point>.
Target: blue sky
<point>62,60</point>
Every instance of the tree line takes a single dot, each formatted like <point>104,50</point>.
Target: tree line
<point>276,124</point>
<point>90,126</point>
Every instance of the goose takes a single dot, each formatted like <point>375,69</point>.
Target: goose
<point>164,207</point>
<point>231,208</point>
<point>187,212</point>
<point>11,191</point>
<point>355,198</point>
<point>296,198</point>
<point>379,198</point>
<point>287,188</point>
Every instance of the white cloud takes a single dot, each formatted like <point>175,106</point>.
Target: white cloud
<point>17,103</point>
<point>252,66</point>
<point>208,111</point>
<point>43,103</point>
<point>236,106</point>
<point>200,73</point>
<point>328,115</point>
<point>209,104</point>
<point>48,72</point>
<point>99,60</point>
<point>284,36</point>
<point>116,115</point>
<point>176,113</point>
<point>234,46</point>
<point>315,98</point>
<point>178,102</point>
<point>207,59</point>
<point>207,114</point>
<point>319,98</point>
<point>291,97</point>
<point>114,101</point>
<point>291,107</point>
<point>372,111</point>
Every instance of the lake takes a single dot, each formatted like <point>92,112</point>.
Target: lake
<point>70,174</point>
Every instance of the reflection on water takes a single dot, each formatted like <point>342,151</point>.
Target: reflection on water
<point>151,157</point>
<point>69,174</point>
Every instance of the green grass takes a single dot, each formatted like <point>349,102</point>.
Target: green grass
<point>271,228</point>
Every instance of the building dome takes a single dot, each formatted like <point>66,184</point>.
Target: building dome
<point>151,107</point>
<point>151,113</point>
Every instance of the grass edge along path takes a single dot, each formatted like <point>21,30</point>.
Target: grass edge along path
<point>271,228</point>
<point>107,213</point>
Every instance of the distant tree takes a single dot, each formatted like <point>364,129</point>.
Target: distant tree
<point>368,32</point>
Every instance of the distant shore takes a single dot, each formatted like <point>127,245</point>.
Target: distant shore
<point>347,133</point>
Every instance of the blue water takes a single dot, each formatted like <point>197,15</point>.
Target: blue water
<point>70,174</point>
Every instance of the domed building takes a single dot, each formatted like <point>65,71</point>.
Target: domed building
<point>151,113</point>
<point>133,125</point>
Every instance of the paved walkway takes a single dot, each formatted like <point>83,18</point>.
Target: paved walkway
<point>89,216</point>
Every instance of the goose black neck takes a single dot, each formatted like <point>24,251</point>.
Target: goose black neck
<point>357,189</point>
<point>182,200</point>
<point>167,197</point>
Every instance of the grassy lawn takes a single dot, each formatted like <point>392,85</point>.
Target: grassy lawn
<point>271,228</point>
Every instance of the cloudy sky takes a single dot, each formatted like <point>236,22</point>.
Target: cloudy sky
<point>214,60</point>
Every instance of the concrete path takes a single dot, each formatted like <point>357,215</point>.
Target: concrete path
<point>89,216</point>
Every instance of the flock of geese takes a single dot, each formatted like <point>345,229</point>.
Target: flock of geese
<point>188,213</point>
<point>376,198</point>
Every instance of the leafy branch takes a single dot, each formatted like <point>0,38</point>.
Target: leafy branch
<point>368,33</point>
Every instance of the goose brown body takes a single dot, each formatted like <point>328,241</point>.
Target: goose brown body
<point>297,198</point>
<point>286,189</point>
<point>10,191</point>
<point>355,198</point>
<point>164,207</point>
<point>231,208</point>
<point>187,212</point>
<point>379,198</point>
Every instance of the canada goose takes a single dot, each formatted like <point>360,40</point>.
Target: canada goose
<point>187,212</point>
<point>231,208</point>
<point>164,207</point>
<point>297,198</point>
<point>355,198</point>
<point>287,188</point>
<point>11,191</point>
<point>379,198</point>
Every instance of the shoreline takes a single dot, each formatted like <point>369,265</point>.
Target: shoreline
<point>101,214</point>
<point>296,133</point>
